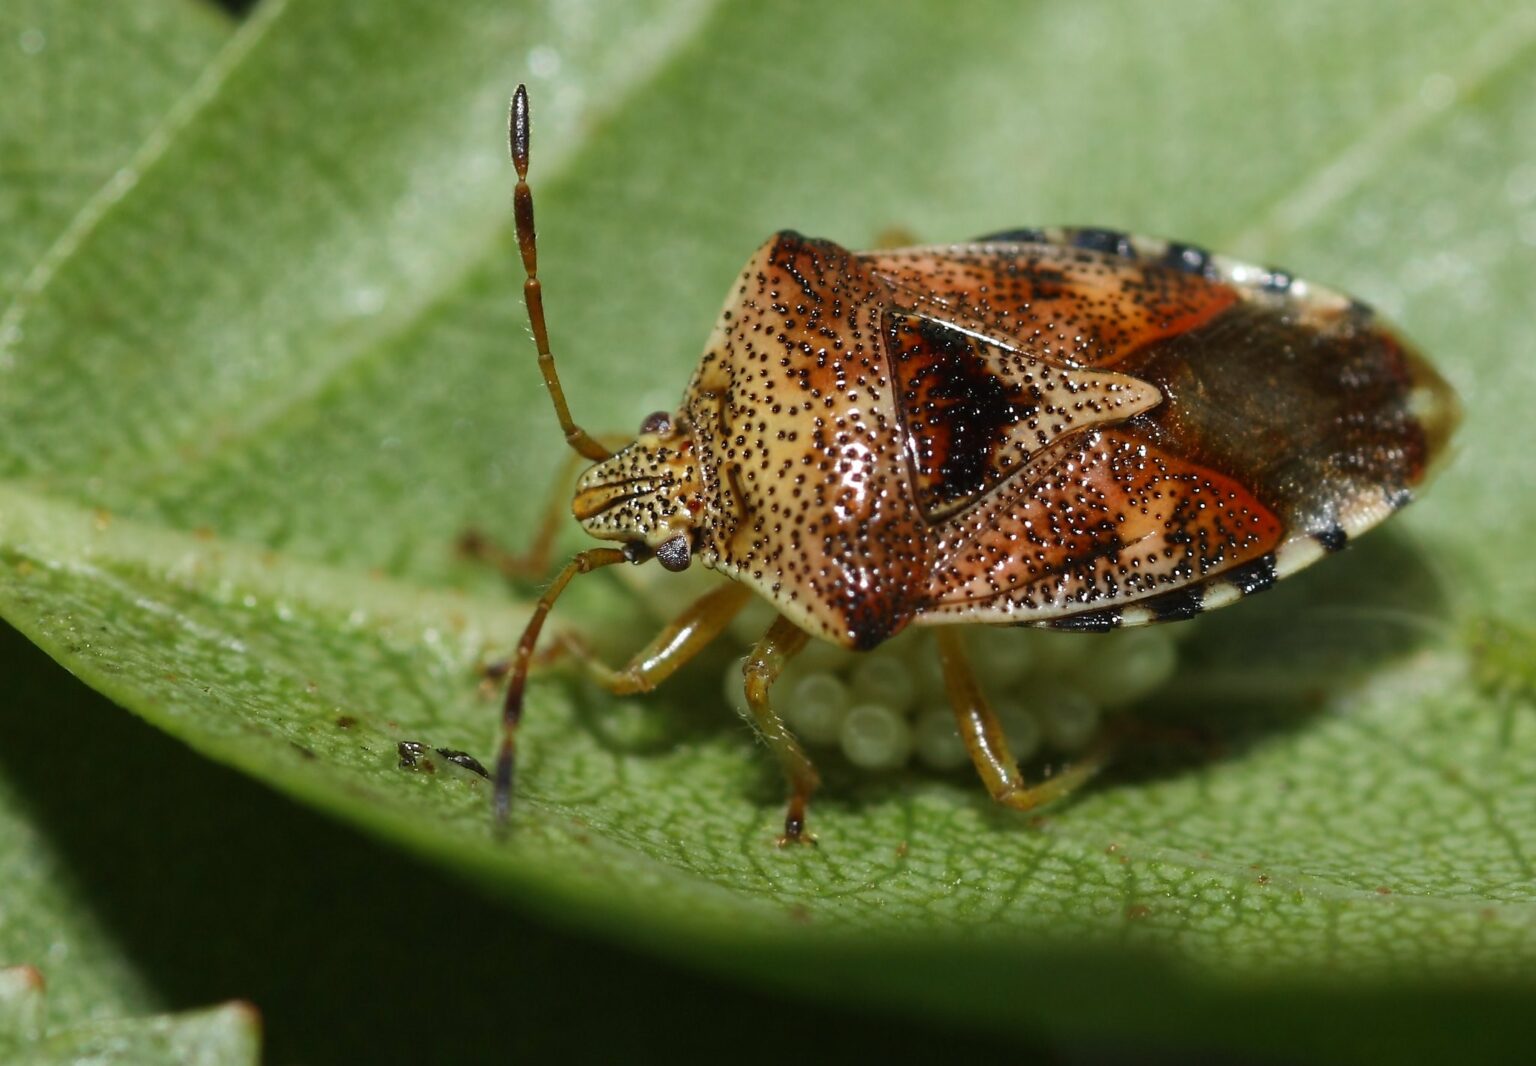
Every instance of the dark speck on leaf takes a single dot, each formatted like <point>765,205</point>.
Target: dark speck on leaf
<point>411,753</point>
<point>464,759</point>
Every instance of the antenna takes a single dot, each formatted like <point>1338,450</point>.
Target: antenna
<point>533,292</point>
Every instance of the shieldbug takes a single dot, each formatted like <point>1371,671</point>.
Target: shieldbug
<point>1069,428</point>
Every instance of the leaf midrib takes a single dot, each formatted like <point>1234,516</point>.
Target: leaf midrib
<point>403,316</point>
<point>122,181</point>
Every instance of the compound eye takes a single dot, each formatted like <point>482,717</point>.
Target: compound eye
<point>675,554</point>
<point>659,423</point>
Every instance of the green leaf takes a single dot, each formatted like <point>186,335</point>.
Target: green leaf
<point>247,408</point>
<point>85,89</point>
<point>146,900</point>
<point>21,1005</point>
<point>221,1036</point>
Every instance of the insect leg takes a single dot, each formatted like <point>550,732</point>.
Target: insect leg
<point>684,637</point>
<point>533,562</point>
<point>512,710</point>
<point>988,747</point>
<point>780,644</point>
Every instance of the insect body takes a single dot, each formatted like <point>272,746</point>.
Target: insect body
<point>1069,428</point>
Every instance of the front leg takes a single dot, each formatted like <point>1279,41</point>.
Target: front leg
<point>533,562</point>
<point>684,637</point>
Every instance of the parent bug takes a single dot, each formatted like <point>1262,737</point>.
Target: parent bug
<point>1068,428</point>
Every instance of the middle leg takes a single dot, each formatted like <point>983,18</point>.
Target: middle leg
<point>781,643</point>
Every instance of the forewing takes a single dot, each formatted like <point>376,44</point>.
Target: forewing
<point>1302,408</point>
<point>1115,522</point>
<point>1057,302</point>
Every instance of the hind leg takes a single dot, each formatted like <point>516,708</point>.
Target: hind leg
<point>988,747</point>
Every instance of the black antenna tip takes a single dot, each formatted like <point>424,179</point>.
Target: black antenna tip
<point>502,802</point>
<point>517,130</point>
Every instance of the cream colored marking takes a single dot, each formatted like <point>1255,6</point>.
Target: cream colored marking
<point>1297,553</point>
<point>1219,594</point>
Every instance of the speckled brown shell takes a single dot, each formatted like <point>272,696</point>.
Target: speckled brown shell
<point>1072,428</point>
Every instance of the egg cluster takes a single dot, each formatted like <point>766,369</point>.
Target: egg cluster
<point>886,707</point>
